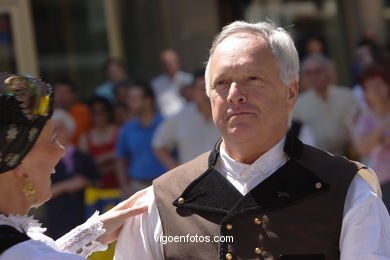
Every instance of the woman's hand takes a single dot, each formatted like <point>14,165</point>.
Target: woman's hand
<point>114,219</point>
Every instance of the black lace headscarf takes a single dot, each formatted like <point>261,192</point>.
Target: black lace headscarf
<point>26,104</point>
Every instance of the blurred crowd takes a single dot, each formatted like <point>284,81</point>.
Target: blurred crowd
<point>131,132</point>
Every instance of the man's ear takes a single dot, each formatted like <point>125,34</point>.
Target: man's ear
<point>292,94</point>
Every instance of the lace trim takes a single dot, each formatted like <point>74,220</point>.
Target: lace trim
<point>82,239</point>
<point>24,224</point>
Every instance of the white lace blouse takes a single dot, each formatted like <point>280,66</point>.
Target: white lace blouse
<point>77,244</point>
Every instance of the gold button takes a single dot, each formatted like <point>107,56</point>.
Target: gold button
<point>318,185</point>
<point>258,251</point>
<point>229,226</point>
<point>229,256</point>
<point>180,201</point>
<point>258,221</point>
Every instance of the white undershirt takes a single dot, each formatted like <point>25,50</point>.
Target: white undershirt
<point>365,232</point>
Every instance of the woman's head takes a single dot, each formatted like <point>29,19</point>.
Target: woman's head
<point>101,110</point>
<point>64,125</point>
<point>376,85</point>
<point>29,150</point>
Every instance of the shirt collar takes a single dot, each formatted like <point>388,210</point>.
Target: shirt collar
<point>263,165</point>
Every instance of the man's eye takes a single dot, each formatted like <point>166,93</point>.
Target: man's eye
<point>252,78</point>
<point>221,82</point>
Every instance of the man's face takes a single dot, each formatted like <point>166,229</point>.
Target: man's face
<point>115,72</point>
<point>136,102</point>
<point>64,97</point>
<point>170,62</point>
<point>317,75</point>
<point>249,101</point>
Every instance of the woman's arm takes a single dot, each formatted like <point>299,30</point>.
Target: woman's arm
<point>98,231</point>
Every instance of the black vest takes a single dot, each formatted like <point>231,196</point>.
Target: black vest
<point>296,213</point>
<point>9,236</point>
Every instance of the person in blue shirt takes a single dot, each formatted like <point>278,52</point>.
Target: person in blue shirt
<point>137,164</point>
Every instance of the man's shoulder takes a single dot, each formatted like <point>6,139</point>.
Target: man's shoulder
<point>320,161</point>
<point>157,80</point>
<point>184,174</point>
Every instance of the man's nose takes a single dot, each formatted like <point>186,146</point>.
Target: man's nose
<point>236,94</point>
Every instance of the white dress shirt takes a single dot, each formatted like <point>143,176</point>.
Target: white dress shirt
<point>365,232</point>
<point>188,131</point>
<point>167,91</point>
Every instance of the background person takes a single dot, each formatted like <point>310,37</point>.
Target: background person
<point>137,165</point>
<point>371,132</point>
<point>167,85</point>
<point>114,72</point>
<point>190,132</point>
<point>100,141</point>
<point>65,95</point>
<point>325,108</point>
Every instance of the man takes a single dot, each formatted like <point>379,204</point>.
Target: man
<point>114,71</point>
<point>137,165</point>
<point>277,198</point>
<point>324,107</point>
<point>66,98</point>
<point>191,131</point>
<point>167,85</point>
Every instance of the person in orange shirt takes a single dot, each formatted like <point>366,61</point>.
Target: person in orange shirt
<point>65,95</point>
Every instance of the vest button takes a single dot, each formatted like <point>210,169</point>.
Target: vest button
<point>318,185</point>
<point>258,221</point>
<point>229,226</point>
<point>258,250</point>
<point>180,201</point>
<point>229,256</point>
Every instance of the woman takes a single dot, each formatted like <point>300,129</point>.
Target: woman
<point>29,151</point>
<point>372,129</point>
<point>100,141</point>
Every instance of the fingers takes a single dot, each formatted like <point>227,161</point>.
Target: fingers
<point>131,212</point>
<point>133,199</point>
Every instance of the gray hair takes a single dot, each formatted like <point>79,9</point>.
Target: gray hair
<point>60,115</point>
<point>320,59</point>
<point>279,40</point>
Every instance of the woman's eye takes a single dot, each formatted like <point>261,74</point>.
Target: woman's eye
<point>252,78</point>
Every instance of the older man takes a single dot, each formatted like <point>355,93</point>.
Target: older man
<point>167,85</point>
<point>260,194</point>
<point>325,108</point>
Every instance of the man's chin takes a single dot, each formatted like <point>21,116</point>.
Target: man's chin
<point>241,132</point>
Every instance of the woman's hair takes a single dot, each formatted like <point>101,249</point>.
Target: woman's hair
<point>26,104</point>
<point>105,103</point>
<point>371,72</point>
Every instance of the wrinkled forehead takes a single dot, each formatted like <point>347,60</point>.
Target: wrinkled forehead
<point>242,49</point>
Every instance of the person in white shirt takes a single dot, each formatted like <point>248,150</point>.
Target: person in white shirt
<point>167,85</point>
<point>191,131</point>
<point>276,197</point>
<point>326,108</point>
